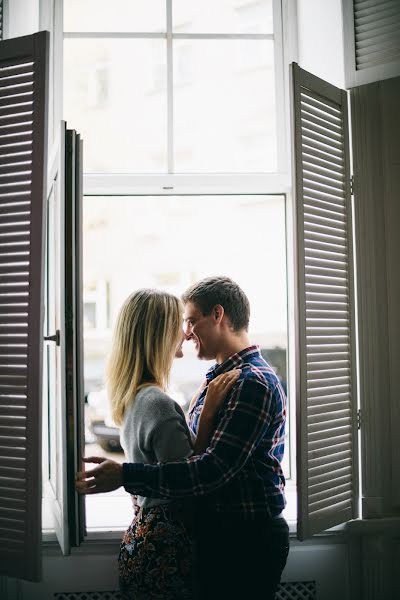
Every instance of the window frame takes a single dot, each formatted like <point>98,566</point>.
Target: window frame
<point>272,183</point>
<point>281,105</point>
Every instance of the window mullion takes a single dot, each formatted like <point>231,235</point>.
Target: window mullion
<point>170,98</point>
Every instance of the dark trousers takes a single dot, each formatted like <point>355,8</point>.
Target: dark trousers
<point>240,560</point>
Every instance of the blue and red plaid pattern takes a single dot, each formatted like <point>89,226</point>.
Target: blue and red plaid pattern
<point>240,473</point>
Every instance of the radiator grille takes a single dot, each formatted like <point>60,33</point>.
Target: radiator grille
<point>295,590</point>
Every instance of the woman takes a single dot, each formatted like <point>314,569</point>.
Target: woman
<point>155,558</point>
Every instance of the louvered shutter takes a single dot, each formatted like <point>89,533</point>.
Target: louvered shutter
<point>23,138</point>
<point>1,19</point>
<point>371,40</point>
<point>326,394</point>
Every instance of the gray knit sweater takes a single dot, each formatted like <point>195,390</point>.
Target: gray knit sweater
<point>154,430</point>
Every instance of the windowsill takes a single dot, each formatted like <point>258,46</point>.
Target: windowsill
<point>105,541</point>
<point>102,539</point>
<point>98,532</point>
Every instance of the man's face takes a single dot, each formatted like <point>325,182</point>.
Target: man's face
<point>202,330</point>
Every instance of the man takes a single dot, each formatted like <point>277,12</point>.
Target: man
<point>242,539</point>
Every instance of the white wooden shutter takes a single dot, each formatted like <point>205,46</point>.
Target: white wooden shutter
<point>23,139</point>
<point>371,40</point>
<point>56,482</point>
<point>74,331</point>
<point>64,377</point>
<point>326,385</point>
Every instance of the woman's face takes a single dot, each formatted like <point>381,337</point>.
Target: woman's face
<point>179,350</point>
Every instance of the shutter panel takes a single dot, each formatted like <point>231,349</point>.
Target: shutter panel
<point>372,40</point>
<point>23,139</point>
<point>326,394</point>
<point>74,330</point>
<point>65,362</point>
<point>56,484</point>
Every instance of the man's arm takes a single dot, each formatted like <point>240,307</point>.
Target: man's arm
<point>167,449</point>
<point>242,426</point>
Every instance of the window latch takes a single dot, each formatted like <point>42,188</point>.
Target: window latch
<point>53,338</point>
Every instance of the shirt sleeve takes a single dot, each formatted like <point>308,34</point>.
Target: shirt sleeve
<point>242,426</point>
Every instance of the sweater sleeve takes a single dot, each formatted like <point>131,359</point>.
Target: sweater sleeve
<point>170,440</point>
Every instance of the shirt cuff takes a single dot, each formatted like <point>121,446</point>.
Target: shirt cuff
<point>132,476</point>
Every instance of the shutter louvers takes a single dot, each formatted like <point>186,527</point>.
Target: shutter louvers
<point>325,365</point>
<point>371,40</point>
<point>377,37</point>
<point>22,167</point>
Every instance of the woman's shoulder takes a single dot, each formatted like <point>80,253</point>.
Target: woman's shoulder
<point>152,398</point>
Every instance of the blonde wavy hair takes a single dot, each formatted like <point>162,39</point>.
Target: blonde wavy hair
<point>147,332</point>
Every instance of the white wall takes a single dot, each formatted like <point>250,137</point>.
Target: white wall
<point>320,39</point>
<point>23,17</point>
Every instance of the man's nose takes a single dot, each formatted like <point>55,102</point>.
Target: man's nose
<point>187,330</point>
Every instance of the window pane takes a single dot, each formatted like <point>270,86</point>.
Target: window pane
<point>224,16</point>
<point>134,242</point>
<point>120,15</point>
<point>224,106</point>
<point>115,96</point>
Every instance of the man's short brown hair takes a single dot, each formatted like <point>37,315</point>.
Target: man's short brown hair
<point>209,292</point>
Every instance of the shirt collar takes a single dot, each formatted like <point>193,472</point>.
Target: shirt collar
<point>233,362</point>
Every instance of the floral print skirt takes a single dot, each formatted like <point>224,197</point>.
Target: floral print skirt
<point>156,556</point>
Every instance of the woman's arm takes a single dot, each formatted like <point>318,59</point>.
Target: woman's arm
<point>217,391</point>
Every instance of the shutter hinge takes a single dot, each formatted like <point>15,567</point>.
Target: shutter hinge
<point>352,185</point>
<point>359,418</point>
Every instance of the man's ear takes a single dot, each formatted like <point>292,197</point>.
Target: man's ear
<point>218,313</point>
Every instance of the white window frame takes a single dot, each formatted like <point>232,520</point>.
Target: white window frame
<point>274,183</point>
<point>277,183</point>
<point>280,93</point>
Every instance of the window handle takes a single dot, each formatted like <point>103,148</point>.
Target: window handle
<point>53,338</point>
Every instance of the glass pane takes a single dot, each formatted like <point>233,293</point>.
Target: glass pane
<point>115,96</point>
<point>134,242</point>
<point>119,15</point>
<point>224,16</point>
<point>224,106</point>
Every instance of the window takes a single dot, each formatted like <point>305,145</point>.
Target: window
<point>157,241</point>
<point>190,89</point>
<point>179,116</point>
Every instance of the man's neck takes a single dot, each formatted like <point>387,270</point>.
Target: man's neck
<point>232,346</point>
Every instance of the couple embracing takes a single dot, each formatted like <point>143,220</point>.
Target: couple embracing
<point>209,494</point>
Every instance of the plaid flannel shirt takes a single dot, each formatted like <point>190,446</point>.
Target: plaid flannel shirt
<point>240,473</point>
